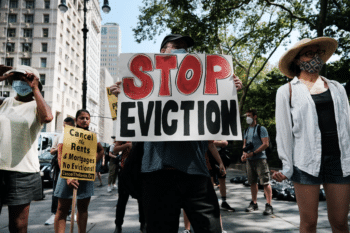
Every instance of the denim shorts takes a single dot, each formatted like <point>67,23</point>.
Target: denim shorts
<point>332,175</point>
<point>85,189</point>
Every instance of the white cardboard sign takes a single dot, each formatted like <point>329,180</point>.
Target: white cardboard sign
<point>177,97</point>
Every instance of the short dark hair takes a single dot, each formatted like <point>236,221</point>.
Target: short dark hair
<point>252,111</point>
<point>81,111</point>
<point>69,120</point>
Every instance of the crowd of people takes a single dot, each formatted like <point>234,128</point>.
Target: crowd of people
<point>313,132</point>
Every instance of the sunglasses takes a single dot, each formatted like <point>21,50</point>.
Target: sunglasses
<point>311,54</point>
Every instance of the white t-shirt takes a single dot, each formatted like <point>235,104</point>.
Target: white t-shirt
<point>19,131</point>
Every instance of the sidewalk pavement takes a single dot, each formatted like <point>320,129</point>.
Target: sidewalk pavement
<point>102,212</point>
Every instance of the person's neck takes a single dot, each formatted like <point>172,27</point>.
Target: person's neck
<point>27,98</point>
<point>309,77</point>
<point>253,124</point>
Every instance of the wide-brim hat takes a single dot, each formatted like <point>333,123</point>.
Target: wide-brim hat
<point>26,69</point>
<point>172,37</point>
<point>326,43</point>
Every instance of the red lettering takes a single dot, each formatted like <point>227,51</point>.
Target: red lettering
<point>222,71</point>
<point>137,66</point>
<point>189,75</point>
<point>165,64</point>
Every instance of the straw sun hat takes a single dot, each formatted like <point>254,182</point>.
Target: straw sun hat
<point>326,43</point>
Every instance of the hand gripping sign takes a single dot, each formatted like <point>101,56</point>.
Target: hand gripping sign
<point>113,101</point>
<point>78,154</point>
<point>177,97</point>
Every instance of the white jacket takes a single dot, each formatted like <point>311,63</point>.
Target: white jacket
<point>300,144</point>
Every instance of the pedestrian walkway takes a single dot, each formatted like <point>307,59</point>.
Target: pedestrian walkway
<point>102,212</point>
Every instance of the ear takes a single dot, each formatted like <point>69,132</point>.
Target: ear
<point>162,50</point>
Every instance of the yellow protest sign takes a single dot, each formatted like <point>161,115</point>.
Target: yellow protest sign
<point>78,154</point>
<point>113,102</point>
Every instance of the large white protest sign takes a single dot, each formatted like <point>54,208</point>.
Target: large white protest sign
<point>177,97</point>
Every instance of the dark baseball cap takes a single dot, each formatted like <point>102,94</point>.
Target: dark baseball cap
<point>172,37</point>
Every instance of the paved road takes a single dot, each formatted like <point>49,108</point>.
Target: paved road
<point>102,213</point>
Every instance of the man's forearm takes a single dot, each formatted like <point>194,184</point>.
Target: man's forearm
<point>214,152</point>
<point>261,148</point>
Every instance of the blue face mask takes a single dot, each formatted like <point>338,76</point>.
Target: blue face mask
<point>178,51</point>
<point>21,87</point>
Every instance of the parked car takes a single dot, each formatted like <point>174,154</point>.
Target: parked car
<point>45,142</point>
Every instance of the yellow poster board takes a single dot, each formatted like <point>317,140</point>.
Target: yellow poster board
<point>78,154</point>
<point>113,102</point>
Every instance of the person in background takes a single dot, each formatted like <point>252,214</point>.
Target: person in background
<point>257,166</point>
<point>56,171</point>
<point>64,188</point>
<point>113,167</point>
<point>313,133</point>
<point>124,148</point>
<point>21,120</point>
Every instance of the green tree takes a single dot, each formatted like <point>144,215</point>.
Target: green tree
<point>250,31</point>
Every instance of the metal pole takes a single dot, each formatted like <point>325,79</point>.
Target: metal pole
<point>85,31</point>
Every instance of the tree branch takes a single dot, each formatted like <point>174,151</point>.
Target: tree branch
<point>290,12</point>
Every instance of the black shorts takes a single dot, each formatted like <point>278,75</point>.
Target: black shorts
<point>19,188</point>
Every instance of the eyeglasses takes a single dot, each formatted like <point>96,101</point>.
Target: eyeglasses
<point>311,54</point>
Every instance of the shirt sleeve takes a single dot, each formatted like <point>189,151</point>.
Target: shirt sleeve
<point>111,148</point>
<point>263,132</point>
<point>284,134</point>
<point>60,140</point>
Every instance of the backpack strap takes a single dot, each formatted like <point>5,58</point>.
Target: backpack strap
<point>290,94</point>
<point>259,132</point>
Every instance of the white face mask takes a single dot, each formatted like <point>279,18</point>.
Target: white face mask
<point>249,120</point>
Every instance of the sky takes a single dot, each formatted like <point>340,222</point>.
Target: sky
<point>125,13</point>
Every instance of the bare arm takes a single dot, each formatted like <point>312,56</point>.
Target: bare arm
<point>59,155</point>
<point>118,147</point>
<point>215,153</point>
<point>100,152</point>
<point>112,155</point>
<point>222,143</point>
<point>43,110</point>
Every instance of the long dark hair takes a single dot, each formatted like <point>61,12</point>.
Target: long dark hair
<point>78,114</point>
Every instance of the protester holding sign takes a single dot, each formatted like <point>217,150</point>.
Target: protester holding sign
<point>175,175</point>
<point>64,189</point>
<point>21,119</point>
<point>313,133</point>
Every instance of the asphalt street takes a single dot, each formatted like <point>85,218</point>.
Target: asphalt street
<point>102,212</point>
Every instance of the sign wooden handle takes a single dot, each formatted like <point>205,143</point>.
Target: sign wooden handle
<point>74,201</point>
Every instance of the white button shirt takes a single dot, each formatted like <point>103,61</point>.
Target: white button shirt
<point>299,143</point>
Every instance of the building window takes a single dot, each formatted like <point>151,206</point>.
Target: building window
<point>46,18</point>
<point>5,94</point>
<point>67,102</point>
<point>60,52</point>
<point>29,4</point>
<point>12,18</point>
<point>42,79</point>
<point>29,18</point>
<point>44,47</point>
<point>45,32</point>
<point>27,47</point>
<point>47,4</point>
<point>59,67</point>
<point>73,105</point>
<point>10,47</point>
<point>13,3</point>
<point>11,32</point>
<point>75,93</point>
<point>43,62</point>
<point>25,61</point>
<point>9,61</point>
<point>58,98</point>
<point>71,91</point>
<point>28,33</point>
<point>59,83</point>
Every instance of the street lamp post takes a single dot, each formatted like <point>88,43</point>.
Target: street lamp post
<point>106,9</point>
